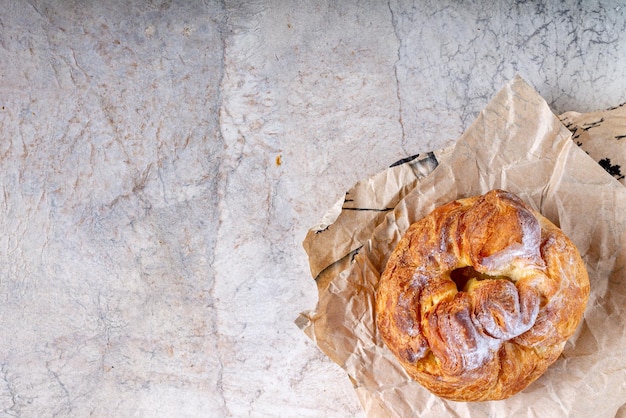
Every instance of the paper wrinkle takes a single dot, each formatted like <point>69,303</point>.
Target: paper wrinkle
<point>519,145</point>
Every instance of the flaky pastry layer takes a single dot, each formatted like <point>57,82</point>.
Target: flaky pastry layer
<point>480,296</point>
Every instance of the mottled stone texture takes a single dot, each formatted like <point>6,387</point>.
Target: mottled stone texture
<point>161,161</point>
<point>454,56</point>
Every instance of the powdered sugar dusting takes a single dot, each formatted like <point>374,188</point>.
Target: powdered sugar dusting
<point>456,336</point>
<point>518,255</point>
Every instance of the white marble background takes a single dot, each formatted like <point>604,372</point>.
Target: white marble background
<point>161,162</point>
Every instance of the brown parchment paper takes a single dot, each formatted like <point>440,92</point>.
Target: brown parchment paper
<point>519,145</point>
<point>602,134</point>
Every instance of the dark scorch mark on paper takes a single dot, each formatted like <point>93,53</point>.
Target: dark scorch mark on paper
<point>614,170</point>
<point>594,124</point>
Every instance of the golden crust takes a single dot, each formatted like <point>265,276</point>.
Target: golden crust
<point>480,296</point>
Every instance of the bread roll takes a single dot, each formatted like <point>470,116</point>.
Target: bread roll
<point>480,296</point>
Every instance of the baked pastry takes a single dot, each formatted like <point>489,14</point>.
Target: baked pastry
<point>480,296</point>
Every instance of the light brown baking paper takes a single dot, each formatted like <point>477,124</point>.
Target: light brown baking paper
<point>519,145</point>
<point>602,135</point>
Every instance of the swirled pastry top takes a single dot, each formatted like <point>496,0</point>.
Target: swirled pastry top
<point>480,296</point>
